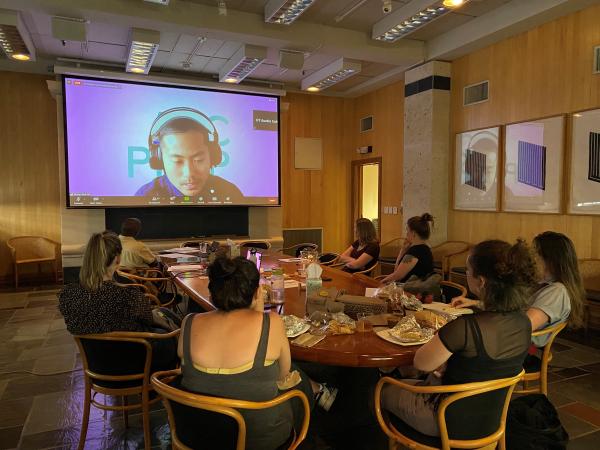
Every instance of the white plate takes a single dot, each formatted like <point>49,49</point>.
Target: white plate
<point>303,330</point>
<point>444,308</point>
<point>385,335</point>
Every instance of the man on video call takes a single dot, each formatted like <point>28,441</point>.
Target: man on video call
<point>184,151</point>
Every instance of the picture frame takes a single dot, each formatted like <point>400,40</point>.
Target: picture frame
<point>533,166</point>
<point>476,169</point>
<point>584,190</point>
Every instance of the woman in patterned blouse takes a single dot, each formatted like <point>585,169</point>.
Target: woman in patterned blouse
<point>96,304</point>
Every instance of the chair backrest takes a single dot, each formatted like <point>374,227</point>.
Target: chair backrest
<point>451,290</point>
<point>465,418</point>
<point>448,248</point>
<point>192,244</point>
<point>368,271</point>
<point>390,249</point>
<point>327,258</point>
<point>33,247</point>
<point>111,359</point>
<point>590,273</point>
<point>294,250</point>
<point>202,421</point>
<point>265,245</point>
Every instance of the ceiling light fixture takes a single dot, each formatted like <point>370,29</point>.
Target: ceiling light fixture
<point>159,2</point>
<point>329,75</point>
<point>410,18</point>
<point>15,40</point>
<point>284,12</point>
<point>242,63</point>
<point>142,50</point>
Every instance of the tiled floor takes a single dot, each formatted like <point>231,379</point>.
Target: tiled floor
<point>41,385</point>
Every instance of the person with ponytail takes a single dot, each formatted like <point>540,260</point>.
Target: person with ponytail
<point>239,351</point>
<point>487,345</point>
<point>415,257</point>
<point>96,304</point>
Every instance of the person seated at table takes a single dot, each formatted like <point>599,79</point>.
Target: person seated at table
<point>98,305</point>
<point>135,253</point>
<point>487,345</point>
<point>415,257</point>
<point>364,251</point>
<point>559,294</point>
<point>238,351</point>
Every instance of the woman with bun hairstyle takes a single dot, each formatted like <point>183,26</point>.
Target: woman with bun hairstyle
<point>415,257</point>
<point>558,294</point>
<point>239,351</point>
<point>487,345</point>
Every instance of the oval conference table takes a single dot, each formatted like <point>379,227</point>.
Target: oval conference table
<point>350,350</point>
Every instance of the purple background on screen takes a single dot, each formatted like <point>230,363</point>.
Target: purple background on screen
<point>105,118</point>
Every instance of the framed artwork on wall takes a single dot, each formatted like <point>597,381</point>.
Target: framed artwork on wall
<point>584,194</point>
<point>476,170</point>
<point>533,166</point>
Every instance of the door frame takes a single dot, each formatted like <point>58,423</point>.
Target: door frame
<point>355,206</point>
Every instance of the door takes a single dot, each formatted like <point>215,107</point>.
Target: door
<point>366,191</point>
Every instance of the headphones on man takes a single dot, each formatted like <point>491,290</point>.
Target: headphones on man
<point>214,149</point>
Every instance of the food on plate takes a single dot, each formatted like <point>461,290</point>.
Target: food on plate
<point>408,330</point>
<point>336,327</point>
<point>411,302</point>
<point>292,379</point>
<point>430,319</point>
<point>293,325</point>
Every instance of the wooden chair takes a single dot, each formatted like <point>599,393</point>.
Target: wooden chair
<point>590,274</point>
<point>176,399</point>
<point>38,250</point>
<point>454,393</point>
<point>294,250</point>
<point>118,364</point>
<point>443,255</point>
<point>192,244</point>
<point>326,259</point>
<point>265,245</point>
<point>388,252</point>
<point>368,271</point>
<point>163,288</point>
<point>539,371</point>
<point>451,290</point>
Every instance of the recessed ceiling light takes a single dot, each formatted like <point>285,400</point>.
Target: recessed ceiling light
<point>136,70</point>
<point>452,3</point>
<point>142,50</point>
<point>332,73</point>
<point>242,63</point>
<point>20,56</point>
<point>285,12</point>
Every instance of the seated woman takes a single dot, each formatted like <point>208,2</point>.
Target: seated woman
<point>364,252</point>
<point>97,305</point>
<point>488,345</point>
<point>559,295</point>
<point>415,257</point>
<point>240,352</point>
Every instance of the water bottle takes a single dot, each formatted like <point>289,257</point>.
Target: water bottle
<point>277,286</point>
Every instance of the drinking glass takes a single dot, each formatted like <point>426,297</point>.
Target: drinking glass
<point>363,324</point>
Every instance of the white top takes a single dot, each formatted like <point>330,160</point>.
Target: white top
<point>553,299</point>
<point>135,253</point>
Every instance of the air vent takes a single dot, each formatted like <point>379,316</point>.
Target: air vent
<point>476,93</point>
<point>597,59</point>
<point>366,124</point>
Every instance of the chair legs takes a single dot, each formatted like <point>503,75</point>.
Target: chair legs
<point>146,419</point>
<point>125,412</point>
<point>86,416</point>
<point>16,276</point>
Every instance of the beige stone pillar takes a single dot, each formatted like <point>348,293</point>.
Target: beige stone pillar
<point>426,144</point>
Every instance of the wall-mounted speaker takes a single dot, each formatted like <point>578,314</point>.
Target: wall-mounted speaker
<point>291,60</point>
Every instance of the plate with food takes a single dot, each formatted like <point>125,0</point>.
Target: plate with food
<point>294,326</point>
<point>447,309</point>
<point>387,336</point>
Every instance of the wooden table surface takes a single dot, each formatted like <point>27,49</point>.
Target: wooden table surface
<point>354,350</point>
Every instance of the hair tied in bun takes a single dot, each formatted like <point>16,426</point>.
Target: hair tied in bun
<point>225,267</point>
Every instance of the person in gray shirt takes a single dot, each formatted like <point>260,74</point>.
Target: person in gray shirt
<point>561,294</point>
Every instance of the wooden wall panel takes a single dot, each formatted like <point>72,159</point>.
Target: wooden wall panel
<point>386,105</point>
<point>313,198</point>
<point>543,72</point>
<point>29,193</point>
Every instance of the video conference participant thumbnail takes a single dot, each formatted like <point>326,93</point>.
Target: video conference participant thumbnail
<point>185,144</point>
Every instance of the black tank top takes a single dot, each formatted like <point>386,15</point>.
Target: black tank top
<point>266,429</point>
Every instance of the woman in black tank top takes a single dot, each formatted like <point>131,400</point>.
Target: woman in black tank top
<point>484,346</point>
